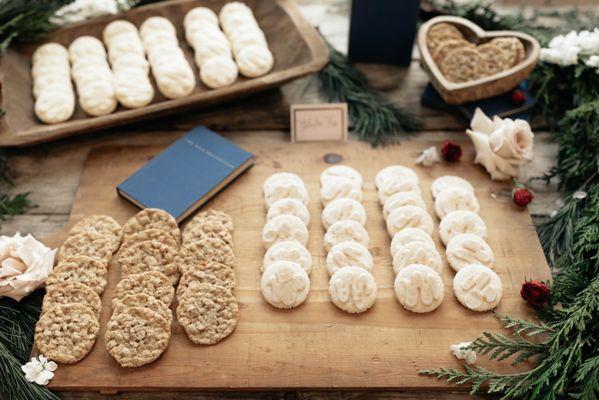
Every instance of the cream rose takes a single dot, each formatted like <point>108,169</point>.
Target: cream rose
<point>501,145</point>
<point>25,263</point>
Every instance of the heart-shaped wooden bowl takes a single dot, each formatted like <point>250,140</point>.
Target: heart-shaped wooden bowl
<point>482,88</point>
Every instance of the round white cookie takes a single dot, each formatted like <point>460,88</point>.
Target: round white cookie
<point>349,254</point>
<point>339,188</point>
<point>409,217</point>
<point>117,28</point>
<point>288,251</point>
<point>402,199</point>
<point>417,253</point>
<point>477,287</point>
<point>419,288</point>
<point>409,235</point>
<point>133,88</point>
<point>284,228</point>
<point>131,61</point>
<point>97,98</point>
<point>392,172</point>
<point>54,106</point>
<point>458,222</point>
<point>275,178</point>
<point>353,289</point>
<point>219,71</point>
<point>285,284</point>
<point>447,182</point>
<point>341,171</point>
<point>343,209</point>
<point>345,231</point>
<point>207,47</point>
<point>254,60</point>
<point>289,206</point>
<point>283,189</point>
<point>202,14</point>
<point>86,46</point>
<point>49,50</point>
<point>156,24</point>
<point>455,199</point>
<point>397,185</point>
<point>466,248</point>
<point>175,79</point>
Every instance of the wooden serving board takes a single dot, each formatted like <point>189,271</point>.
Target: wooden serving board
<point>296,46</point>
<point>315,345</point>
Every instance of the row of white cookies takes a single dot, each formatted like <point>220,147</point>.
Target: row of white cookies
<point>352,287</point>
<point>416,262</point>
<point>285,281</point>
<point>475,285</point>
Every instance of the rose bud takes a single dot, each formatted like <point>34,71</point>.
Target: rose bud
<point>518,97</point>
<point>535,293</point>
<point>522,197</point>
<point>451,151</point>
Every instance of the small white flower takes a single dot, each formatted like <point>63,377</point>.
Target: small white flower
<point>39,370</point>
<point>428,157</point>
<point>462,352</point>
<point>579,194</point>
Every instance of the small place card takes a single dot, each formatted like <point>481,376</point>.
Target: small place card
<point>318,122</point>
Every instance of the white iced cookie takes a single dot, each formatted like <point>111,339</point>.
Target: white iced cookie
<point>288,251</point>
<point>409,235</point>
<point>200,14</point>
<point>128,61</point>
<point>280,177</point>
<point>54,106</point>
<point>349,254</point>
<point>395,171</point>
<point>97,98</point>
<point>343,209</point>
<point>455,199</point>
<point>284,228</point>
<point>345,231</point>
<point>217,72</point>
<point>402,199</point>
<point>419,288</point>
<point>247,35</point>
<point>339,188</point>
<point>117,28</point>
<point>447,182</point>
<point>353,289</point>
<point>285,284</point>
<point>49,50</point>
<point>417,253</point>
<point>288,206</point>
<point>208,45</point>
<point>156,24</point>
<point>133,88</point>
<point>465,249</point>
<point>254,60</point>
<point>459,222</point>
<point>283,189</point>
<point>477,287</point>
<point>397,185</point>
<point>86,46</point>
<point>409,217</point>
<point>175,79</point>
<point>341,171</point>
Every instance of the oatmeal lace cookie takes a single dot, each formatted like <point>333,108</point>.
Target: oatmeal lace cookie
<point>102,224</point>
<point>208,229</point>
<point>513,47</point>
<point>86,270</point>
<point>72,292</point>
<point>211,272</point>
<point>210,216</point>
<point>142,300</point>
<point>206,250</point>
<point>146,235</point>
<point>464,64</point>
<point>152,218</point>
<point>439,33</point>
<point>153,283</point>
<point>150,256</point>
<point>87,243</point>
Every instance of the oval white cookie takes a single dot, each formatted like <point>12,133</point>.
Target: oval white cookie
<point>466,248</point>
<point>477,287</point>
<point>397,185</point>
<point>203,14</point>
<point>402,199</point>
<point>283,189</point>
<point>353,289</point>
<point>344,231</point>
<point>219,71</point>
<point>343,209</point>
<point>409,235</point>
<point>417,253</point>
<point>458,222</point>
<point>278,177</point>
<point>393,172</point>
<point>409,217</point>
<point>254,60</point>
<point>288,206</point>
<point>349,254</point>
<point>449,181</point>
<point>340,188</point>
<point>285,284</point>
<point>419,288</point>
<point>284,228</point>
<point>341,171</point>
<point>288,251</point>
<point>455,199</point>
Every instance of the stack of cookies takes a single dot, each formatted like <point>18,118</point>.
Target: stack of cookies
<point>352,287</point>
<point>416,262</point>
<point>207,309</point>
<point>139,329</point>
<point>463,232</point>
<point>460,60</point>
<point>73,290</point>
<point>287,263</point>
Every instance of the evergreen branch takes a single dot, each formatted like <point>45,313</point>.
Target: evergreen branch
<point>499,347</point>
<point>523,327</point>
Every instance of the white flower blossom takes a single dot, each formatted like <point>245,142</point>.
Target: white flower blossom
<point>572,47</point>
<point>39,370</point>
<point>428,157</point>
<point>81,10</point>
<point>462,352</point>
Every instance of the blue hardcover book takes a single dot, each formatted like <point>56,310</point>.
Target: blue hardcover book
<point>187,174</point>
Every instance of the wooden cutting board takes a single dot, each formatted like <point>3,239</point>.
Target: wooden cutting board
<point>315,345</point>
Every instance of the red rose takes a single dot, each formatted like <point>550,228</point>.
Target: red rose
<point>535,293</point>
<point>522,196</point>
<point>451,151</point>
<point>518,98</point>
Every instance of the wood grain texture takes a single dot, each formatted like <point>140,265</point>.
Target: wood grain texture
<point>315,345</point>
<point>280,20</point>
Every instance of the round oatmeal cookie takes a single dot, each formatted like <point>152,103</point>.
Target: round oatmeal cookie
<point>143,300</point>
<point>152,218</point>
<point>206,250</point>
<point>150,256</point>
<point>87,243</point>
<point>210,215</point>
<point>87,270</point>
<point>513,47</point>
<point>439,33</point>
<point>137,336</point>
<point>208,314</point>
<point>103,224</point>
<point>153,283</point>
<point>497,59</point>
<point>72,292</point>
<point>208,229</point>
<point>211,272</point>
<point>149,234</point>
<point>447,46</point>
<point>67,332</point>
<point>464,64</point>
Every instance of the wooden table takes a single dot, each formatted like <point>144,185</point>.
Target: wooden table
<point>51,171</point>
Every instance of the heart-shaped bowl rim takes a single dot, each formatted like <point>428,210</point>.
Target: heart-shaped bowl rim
<point>472,31</point>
